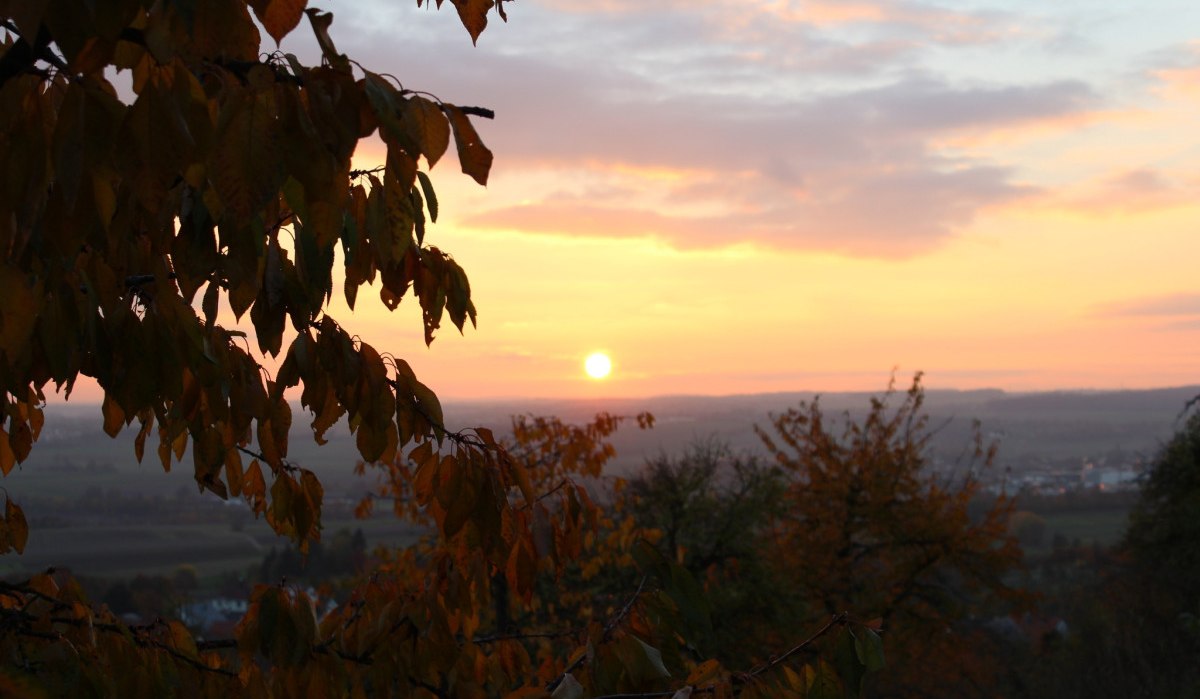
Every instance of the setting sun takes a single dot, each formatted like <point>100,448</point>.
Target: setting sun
<point>597,365</point>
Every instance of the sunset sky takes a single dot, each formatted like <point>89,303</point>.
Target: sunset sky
<point>740,196</point>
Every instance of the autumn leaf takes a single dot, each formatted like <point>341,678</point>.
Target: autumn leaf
<point>279,17</point>
<point>473,156</point>
<point>473,14</point>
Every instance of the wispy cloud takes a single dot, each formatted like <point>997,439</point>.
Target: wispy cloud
<point>1183,304</point>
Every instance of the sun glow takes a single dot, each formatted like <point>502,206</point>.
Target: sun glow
<point>597,365</point>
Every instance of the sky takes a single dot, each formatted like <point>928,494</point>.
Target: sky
<point>744,196</point>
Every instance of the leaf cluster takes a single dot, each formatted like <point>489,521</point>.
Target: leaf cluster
<point>224,181</point>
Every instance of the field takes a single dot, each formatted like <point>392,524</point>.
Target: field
<point>1104,527</point>
<point>123,551</point>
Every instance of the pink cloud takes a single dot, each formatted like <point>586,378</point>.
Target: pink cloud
<point>1129,191</point>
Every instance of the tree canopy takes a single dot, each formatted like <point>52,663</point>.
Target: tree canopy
<point>224,179</point>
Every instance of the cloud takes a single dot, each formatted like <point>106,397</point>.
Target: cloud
<point>853,172</point>
<point>1170,305</point>
<point>1175,70</point>
<point>892,214</point>
<point>1130,191</point>
<point>1166,313</point>
<point>784,131</point>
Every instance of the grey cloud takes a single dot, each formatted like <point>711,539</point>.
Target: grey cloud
<point>849,166</point>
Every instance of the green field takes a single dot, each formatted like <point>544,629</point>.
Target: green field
<point>1104,527</point>
<point>122,551</point>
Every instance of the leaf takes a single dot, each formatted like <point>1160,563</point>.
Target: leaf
<point>822,682</point>
<point>430,407</point>
<point>869,647</point>
<point>426,126</point>
<point>569,688</point>
<point>18,312</point>
<point>473,156</point>
<point>139,443</point>
<point>847,664</point>
<point>222,29</point>
<point>245,164</point>
<point>233,472</point>
<point>704,672</point>
<point>320,23</point>
<point>473,14</point>
<point>653,658</point>
<point>18,528</point>
<point>430,196</point>
<point>642,662</point>
<point>7,458</point>
<point>382,98</point>
<point>114,417</point>
<point>279,17</point>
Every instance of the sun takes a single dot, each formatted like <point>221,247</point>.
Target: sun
<point>597,365</point>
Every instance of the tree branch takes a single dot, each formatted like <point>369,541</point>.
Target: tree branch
<point>608,629</point>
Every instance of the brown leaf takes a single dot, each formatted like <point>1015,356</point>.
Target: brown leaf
<point>426,126</point>
<point>18,528</point>
<point>222,29</point>
<point>114,416</point>
<point>473,14</point>
<point>279,17</point>
<point>7,458</point>
<point>320,23</point>
<point>475,158</point>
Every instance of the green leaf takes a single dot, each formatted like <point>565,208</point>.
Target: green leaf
<point>569,688</point>
<point>822,682</point>
<point>847,664</point>
<point>869,648</point>
<point>431,202</point>
<point>653,658</point>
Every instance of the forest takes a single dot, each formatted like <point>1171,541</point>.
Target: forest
<point>178,242</point>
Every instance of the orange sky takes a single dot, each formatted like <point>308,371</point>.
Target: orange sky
<point>744,196</point>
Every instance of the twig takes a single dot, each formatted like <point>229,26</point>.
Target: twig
<point>836,620</point>
<point>479,112</point>
<point>743,678</point>
<point>608,629</point>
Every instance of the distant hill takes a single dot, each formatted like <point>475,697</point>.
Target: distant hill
<point>1051,425</point>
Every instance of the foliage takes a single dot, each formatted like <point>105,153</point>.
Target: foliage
<point>226,181</point>
<point>713,508</point>
<point>867,526</point>
<point>1164,527</point>
<point>1133,628</point>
